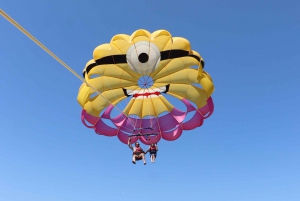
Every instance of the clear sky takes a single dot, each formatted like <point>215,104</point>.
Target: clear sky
<point>248,150</point>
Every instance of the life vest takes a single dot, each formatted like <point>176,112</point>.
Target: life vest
<point>152,150</point>
<point>138,150</point>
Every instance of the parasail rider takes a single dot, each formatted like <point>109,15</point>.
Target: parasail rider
<point>153,151</point>
<point>138,152</point>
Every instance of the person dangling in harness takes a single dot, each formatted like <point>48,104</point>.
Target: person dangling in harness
<point>153,152</point>
<point>138,152</point>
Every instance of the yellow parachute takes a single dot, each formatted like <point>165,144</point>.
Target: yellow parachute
<point>140,72</point>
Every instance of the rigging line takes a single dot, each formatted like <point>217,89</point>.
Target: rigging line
<point>141,89</point>
<point>142,107</point>
<point>149,113</point>
<point>127,117</point>
<point>150,116</point>
<point>126,102</point>
<point>13,22</point>
<point>141,114</point>
<point>125,129</point>
<point>136,119</point>
<point>120,102</point>
<point>155,115</point>
<point>146,83</point>
<point>154,111</point>
<point>158,117</point>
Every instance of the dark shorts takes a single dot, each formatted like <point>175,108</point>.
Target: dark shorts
<point>153,153</point>
<point>137,156</point>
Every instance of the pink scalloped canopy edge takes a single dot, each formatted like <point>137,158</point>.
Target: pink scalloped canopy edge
<point>168,127</point>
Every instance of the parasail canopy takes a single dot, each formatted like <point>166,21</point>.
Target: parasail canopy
<point>136,83</point>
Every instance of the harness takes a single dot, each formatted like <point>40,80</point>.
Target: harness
<point>153,150</point>
<point>137,150</point>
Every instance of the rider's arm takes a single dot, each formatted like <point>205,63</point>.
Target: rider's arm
<point>129,145</point>
<point>147,150</point>
<point>156,148</point>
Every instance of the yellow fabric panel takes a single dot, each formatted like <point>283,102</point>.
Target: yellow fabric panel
<point>169,45</point>
<point>185,76</point>
<point>111,96</point>
<point>170,67</point>
<point>127,69</point>
<point>206,82</point>
<point>143,107</point>
<point>192,93</point>
<point>175,95</point>
<point>159,35</point>
<point>155,106</point>
<point>88,63</point>
<point>159,67</point>
<point>121,41</point>
<point>167,67</point>
<point>148,107</point>
<point>161,38</point>
<point>162,105</point>
<point>176,72</point>
<point>105,50</point>
<point>97,104</point>
<point>181,43</point>
<point>159,106</point>
<point>158,84</point>
<point>140,35</point>
<point>175,65</point>
<point>140,38</point>
<point>193,52</point>
<point>124,68</point>
<point>190,61</point>
<point>133,87</point>
<point>160,46</point>
<point>83,94</point>
<point>105,83</point>
<point>136,107</point>
<point>112,70</point>
<point>124,49</point>
<point>89,109</point>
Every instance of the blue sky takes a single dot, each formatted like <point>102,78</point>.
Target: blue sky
<point>247,150</point>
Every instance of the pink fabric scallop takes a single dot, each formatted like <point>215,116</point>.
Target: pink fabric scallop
<point>195,121</point>
<point>103,129</point>
<point>124,138</point>
<point>172,135</point>
<point>168,127</point>
<point>89,118</point>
